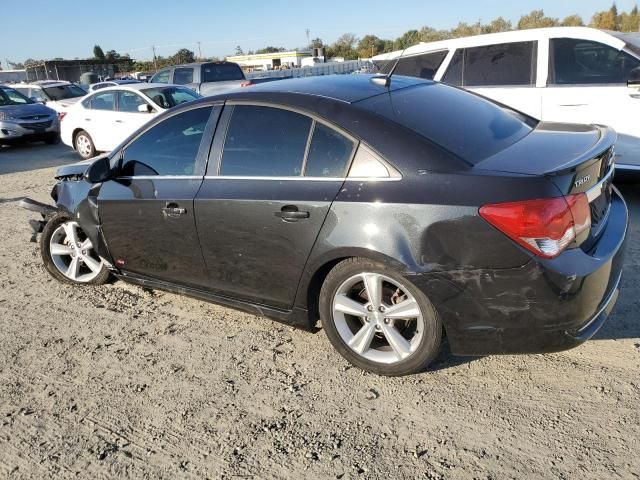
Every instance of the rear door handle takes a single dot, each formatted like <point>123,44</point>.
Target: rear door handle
<point>118,121</point>
<point>290,213</point>
<point>173,210</point>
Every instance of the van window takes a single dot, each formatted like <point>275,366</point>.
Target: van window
<point>494,65</point>
<point>422,66</point>
<point>579,62</point>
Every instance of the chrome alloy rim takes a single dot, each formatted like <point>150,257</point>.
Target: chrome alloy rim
<point>378,318</point>
<point>72,253</point>
<point>83,145</point>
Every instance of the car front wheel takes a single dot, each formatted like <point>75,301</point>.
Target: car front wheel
<point>84,145</point>
<point>377,319</point>
<point>68,253</point>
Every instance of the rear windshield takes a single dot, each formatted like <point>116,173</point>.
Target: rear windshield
<point>470,126</point>
<point>63,92</point>
<point>221,72</point>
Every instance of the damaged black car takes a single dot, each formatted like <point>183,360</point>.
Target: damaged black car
<point>395,211</point>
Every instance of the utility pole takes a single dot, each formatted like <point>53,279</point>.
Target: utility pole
<point>308,32</point>
<point>155,61</point>
<point>199,51</point>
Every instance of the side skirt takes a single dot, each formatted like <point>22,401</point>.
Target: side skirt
<point>297,317</point>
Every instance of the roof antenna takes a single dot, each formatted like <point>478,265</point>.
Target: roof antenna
<point>385,80</point>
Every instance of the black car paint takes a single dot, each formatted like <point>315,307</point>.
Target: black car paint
<point>492,295</point>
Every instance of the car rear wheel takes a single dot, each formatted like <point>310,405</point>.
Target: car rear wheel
<point>68,253</point>
<point>377,319</point>
<point>84,145</point>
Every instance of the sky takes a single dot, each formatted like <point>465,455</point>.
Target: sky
<point>69,29</point>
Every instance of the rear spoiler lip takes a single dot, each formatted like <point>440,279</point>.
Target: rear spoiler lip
<point>608,138</point>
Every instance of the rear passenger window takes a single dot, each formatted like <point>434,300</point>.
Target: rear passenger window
<point>422,66</point>
<point>182,76</point>
<point>168,148</point>
<point>582,62</point>
<point>104,101</point>
<point>265,142</point>
<point>506,64</point>
<point>329,153</point>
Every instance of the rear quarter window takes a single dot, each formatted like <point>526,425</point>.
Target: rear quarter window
<point>465,124</point>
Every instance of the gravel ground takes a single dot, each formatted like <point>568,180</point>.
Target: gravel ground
<point>119,381</point>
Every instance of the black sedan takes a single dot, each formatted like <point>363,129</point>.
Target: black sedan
<point>394,213</point>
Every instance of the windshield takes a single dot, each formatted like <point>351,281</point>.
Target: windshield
<point>167,97</point>
<point>632,40</point>
<point>63,92</point>
<point>9,96</point>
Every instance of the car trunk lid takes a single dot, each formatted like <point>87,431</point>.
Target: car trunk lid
<point>576,158</point>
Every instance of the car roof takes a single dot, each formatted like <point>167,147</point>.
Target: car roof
<point>137,86</point>
<point>197,64</point>
<point>45,83</point>
<point>342,88</point>
<point>532,34</point>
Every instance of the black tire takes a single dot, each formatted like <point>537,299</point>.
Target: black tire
<point>52,139</point>
<point>45,239</point>
<point>430,343</point>
<point>90,151</point>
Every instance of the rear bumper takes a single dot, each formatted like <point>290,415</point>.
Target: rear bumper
<point>544,306</point>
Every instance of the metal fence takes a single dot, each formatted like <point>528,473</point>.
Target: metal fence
<point>318,69</point>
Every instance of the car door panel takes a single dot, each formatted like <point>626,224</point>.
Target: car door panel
<point>147,212</point>
<point>252,252</point>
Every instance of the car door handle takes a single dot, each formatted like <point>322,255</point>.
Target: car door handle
<point>290,213</point>
<point>118,121</point>
<point>87,119</point>
<point>172,210</point>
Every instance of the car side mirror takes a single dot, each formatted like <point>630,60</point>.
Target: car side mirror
<point>145,108</point>
<point>634,78</point>
<point>99,171</point>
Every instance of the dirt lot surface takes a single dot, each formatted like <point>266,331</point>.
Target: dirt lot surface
<point>118,381</point>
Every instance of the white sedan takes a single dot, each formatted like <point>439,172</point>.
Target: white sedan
<point>105,118</point>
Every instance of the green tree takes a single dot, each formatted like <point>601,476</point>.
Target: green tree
<point>606,19</point>
<point>111,55</point>
<point>408,39</point>
<point>97,52</point>
<point>536,19</point>
<point>465,30</point>
<point>428,34</point>
<point>370,45</point>
<point>630,22</point>
<point>497,25</point>
<point>184,55</point>
<point>239,50</point>
<point>572,21</point>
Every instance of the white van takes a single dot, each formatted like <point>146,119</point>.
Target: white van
<point>563,74</point>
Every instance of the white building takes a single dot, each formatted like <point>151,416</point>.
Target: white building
<point>271,61</point>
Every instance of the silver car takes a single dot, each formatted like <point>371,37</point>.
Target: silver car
<point>23,120</point>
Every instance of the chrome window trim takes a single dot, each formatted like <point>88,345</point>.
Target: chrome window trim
<point>302,179</point>
<point>160,177</point>
<point>595,191</point>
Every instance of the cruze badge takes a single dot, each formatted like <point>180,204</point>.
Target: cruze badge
<point>582,181</point>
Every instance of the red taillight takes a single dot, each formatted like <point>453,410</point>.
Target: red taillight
<point>246,84</point>
<point>61,115</point>
<point>545,226</point>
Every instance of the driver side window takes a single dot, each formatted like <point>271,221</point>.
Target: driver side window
<point>168,148</point>
<point>583,62</point>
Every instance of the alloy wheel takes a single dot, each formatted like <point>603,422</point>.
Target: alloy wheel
<point>73,255</point>
<point>378,318</point>
<point>83,146</point>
